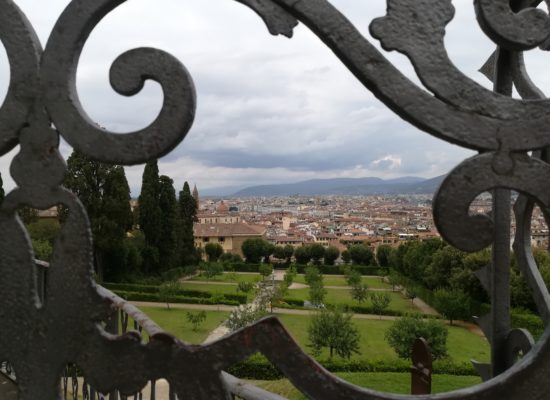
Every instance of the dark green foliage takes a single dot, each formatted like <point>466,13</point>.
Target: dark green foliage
<point>104,192</point>
<point>288,252</point>
<point>412,293</point>
<point>316,252</point>
<point>279,252</point>
<point>269,248</point>
<point>302,255</point>
<point>453,304</point>
<point>346,256</point>
<point>167,203</point>
<point>360,293</point>
<point>150,216</point>
<point>213,251</point>
<point>403,332</point>
<point>258,368</point>
<point>335,330</point>
<point>331,255</point>
<point>195,319</point>
<point>383,253</point>
<point>187,215</point>
<point>27,214</point>
<point>361,255</point>
<point>380,301</point>
<point>255,249</point>
<point>43,234</point>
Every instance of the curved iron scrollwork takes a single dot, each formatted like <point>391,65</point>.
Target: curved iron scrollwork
<point>42,334</point>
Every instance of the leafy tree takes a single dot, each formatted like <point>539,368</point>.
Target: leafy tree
<point>383,256</point>
<point>353,277</point>
<point>279,252</point>
<point>453,304</point>
<point>213,251</point>
<point>317,293</point>
<point>361,254</point>
<point>27,214</point>
<point>334,330</point>
<point>302,255</point>
<point>331,255</point>
<point>346,256</point>
<point>245,315</point>
<point>245,287</point>
<point>288,252</point>
<point>187,215</point>
<point>360,293</point>
<point>411,293</point>
<point>104,192</point>
<point>289,276</point>
<point>269,248</point>
<point>150,216</point>
<point>444,262</point>
<point>212,269</point>
<point>167,242</point>
<point>196,319</point>
<point>380,301</point>
<point>167,291</point>
<point>265,270</point>
<point>404,331</point>
<point>312,275</point>
<point>316,252</point>
<point>254,250</point>
<point>393,279</point>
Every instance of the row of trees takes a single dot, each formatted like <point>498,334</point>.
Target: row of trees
<point>256,250</point>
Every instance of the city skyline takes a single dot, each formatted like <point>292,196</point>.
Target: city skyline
<point>270,110</point>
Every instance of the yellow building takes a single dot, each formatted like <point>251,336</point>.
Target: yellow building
<point>229,236</point>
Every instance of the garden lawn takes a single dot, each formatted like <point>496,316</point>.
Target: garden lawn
<point>343,297</point>
<point>392,382</point>
<point>231,277</point>
<point>340,280</point>
<point>174,321</point>
<point>462,345</point>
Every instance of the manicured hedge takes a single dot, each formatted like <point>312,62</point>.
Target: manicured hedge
<point>531,322</point>
<point>338,270</point>
<point>138,296</point>
<point>241,267</point>
<point>261,369</point>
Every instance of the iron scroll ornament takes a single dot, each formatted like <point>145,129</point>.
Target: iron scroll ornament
<point>39,338</point>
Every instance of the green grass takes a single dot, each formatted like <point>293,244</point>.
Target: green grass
<point>231,277</point>
<point>462,344</point>
<point>173,321</point>
<point>343,297</point>
<point>339,280</point>
<point>391,382</point>
<point>210,287</point>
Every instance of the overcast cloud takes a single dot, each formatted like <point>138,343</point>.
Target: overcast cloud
<point>269,109</point>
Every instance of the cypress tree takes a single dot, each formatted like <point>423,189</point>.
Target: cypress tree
<point>104,192</point>
<point>150,216</point>
<point>187,209</point>
<point>167,203</point>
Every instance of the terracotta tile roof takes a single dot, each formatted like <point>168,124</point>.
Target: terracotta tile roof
<point>226,230</point>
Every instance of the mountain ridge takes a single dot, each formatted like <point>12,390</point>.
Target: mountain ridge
<point>346,186</point>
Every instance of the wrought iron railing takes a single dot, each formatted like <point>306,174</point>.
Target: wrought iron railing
<point>45,331</point>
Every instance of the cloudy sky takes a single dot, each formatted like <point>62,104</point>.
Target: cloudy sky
<point>270,109</point>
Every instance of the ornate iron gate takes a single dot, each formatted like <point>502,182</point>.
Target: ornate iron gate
<point>43,332</point>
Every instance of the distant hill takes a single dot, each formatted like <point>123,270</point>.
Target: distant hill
<point>346,186</point>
